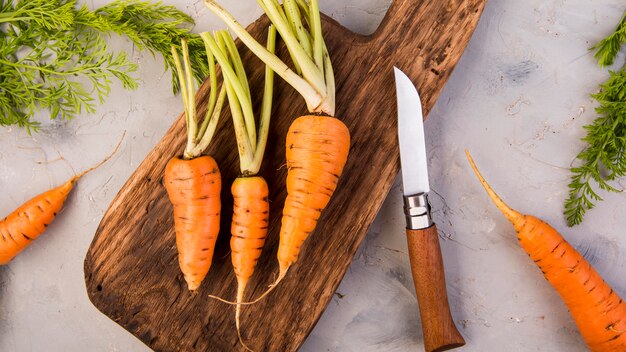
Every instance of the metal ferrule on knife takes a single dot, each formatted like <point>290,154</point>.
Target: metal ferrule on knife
<point>417,212</point>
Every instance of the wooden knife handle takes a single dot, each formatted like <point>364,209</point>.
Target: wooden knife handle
<point>440,333</point>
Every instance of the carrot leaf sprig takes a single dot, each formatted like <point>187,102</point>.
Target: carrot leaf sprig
<point>54,55</point>
<point>251,145</point>
<point>608,48</point>
<point>199,133</point>
<point>299,24</point>
<point>604,158</point>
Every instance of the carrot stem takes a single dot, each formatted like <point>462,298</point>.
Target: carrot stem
<point>235,91</point>
<point>244,95</point>
<point>199,134</point>
<point>192,126</point>
<point>251,145</point>
<point>212,93</point>
<point>208,131</point>
<point>183,89</point>
<point>266,106</point>
<point>295,19</point>
<point>316,29</point>
<point>313,84</point>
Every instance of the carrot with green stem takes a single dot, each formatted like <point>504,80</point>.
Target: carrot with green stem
<point>193,181</point>
<point>598,311</point>
<point>317,144</point>
<point>250,192</point>
<point>25,224</point>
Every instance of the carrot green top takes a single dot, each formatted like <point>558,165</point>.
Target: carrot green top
<point>313,77</point>
<point>250,145</point>
<point>199,134</point>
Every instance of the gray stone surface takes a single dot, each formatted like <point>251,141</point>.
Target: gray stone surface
<point>518,100</point>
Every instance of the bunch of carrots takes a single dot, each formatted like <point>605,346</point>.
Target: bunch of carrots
<point>317,147</point>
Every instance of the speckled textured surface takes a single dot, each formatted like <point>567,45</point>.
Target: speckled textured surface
<point>518,100</point>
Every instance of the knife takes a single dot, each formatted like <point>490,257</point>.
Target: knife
<point>440,333</point>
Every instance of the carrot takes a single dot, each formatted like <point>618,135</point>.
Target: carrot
<point>193,182</point>
<point>250,192</point>
<point>317,143</point>
<point>249,230</point>
<point>194,188</point>
<point>26,223</point>
<point>317,149</point>
<point>598,311</point>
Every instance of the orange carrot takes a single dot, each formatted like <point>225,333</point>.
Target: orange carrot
<point>250,192</point>
<point>317,150</point>
<point>598,311</point>
<point>20,228</point>
<point>249,230</point>
<point>194,188</point>
<point>193,182</point>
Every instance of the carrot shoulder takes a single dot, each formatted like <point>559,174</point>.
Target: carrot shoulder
<point>598,311</point>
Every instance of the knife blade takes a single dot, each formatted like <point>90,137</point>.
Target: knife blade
<point>411,137</point>
<point>440,332</point>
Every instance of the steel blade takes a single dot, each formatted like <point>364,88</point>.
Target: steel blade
<point>411,137</point>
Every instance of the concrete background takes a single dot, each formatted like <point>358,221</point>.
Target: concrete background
<point>518,100</point>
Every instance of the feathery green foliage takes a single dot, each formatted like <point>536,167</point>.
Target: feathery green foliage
<point>604,158</point>
<point>53,53</point>
<point>608,48</point>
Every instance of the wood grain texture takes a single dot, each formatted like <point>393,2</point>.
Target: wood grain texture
<point>131,268</point>
<point>440,332</point>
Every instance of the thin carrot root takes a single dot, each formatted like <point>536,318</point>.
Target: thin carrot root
<point>598,311</point>
<point>194,189</point>
<point>270,289</point>
<point>512,215</point>
<point>241,287</point>
<point>20,228</point>
<point>107,158</point>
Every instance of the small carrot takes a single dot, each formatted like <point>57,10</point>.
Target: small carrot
<point>317,144</point>
<point>250,192</point>
<point>317,149</point>
<point>193,182</point>
<point>20,228</point>
<point>598,311</point>
<point>249,230</point>
<point>194,189</point>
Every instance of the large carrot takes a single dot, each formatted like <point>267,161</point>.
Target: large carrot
<point>193,182</point>
<point>250,192</point>
<point>598,311</point>
<point>20,228</point>
<point>317,144</point>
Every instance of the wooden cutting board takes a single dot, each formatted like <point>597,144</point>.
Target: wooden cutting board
<point>131,268</point>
